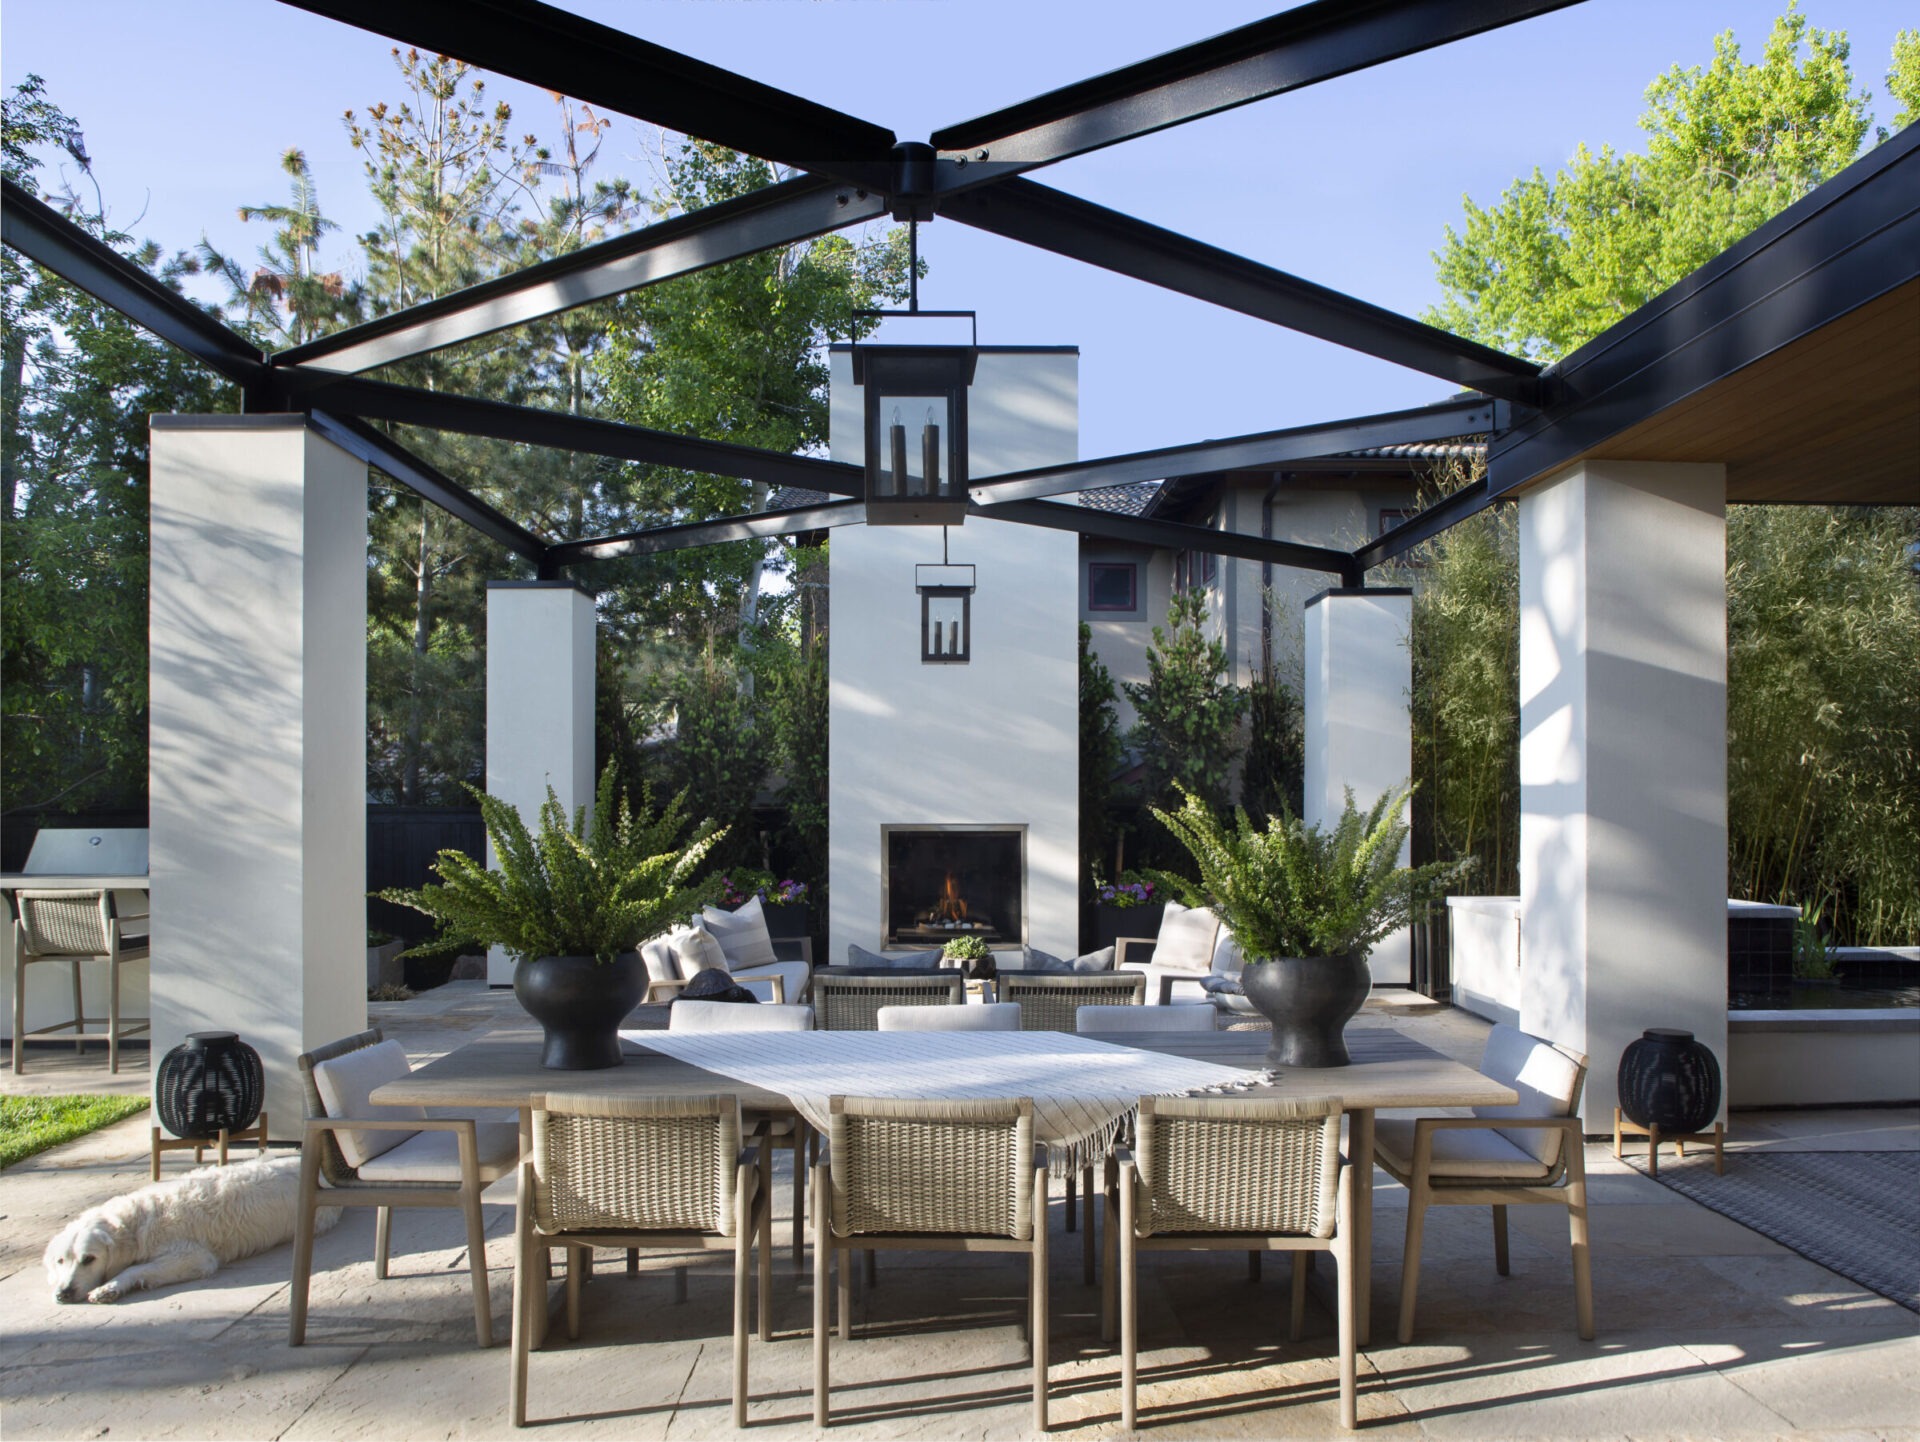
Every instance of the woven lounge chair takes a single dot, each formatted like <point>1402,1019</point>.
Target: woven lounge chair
<point>852,1003</point>
<point>1048,1000</point>
<point>929,1175</point>
<point>1530,1153</point>
<point>1238,1174</point>
<point>364,1155</point>
<point>665,1172</point>
<point>72,927</point>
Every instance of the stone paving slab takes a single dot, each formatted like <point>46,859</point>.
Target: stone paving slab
<point>1706,1329</point>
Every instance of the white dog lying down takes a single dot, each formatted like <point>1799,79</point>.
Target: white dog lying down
<point>177,1231</point>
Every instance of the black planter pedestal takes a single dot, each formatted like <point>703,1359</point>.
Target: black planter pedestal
<point>1673,1083</point>
<point>210,1089</point>
<point>580,1004</point>
<point>1309,1000</point>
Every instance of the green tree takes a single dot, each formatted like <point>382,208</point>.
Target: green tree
<point>1189,710</point>
<point>1273,778</point>
<point>77,384</point>
<point>1100,757</point>
<point>1549,267</point>
<point>286,300</point>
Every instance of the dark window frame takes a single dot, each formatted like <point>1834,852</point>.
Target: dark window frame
<point>1132,569</point>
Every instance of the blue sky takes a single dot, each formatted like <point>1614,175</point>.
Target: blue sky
<point>187,106</point>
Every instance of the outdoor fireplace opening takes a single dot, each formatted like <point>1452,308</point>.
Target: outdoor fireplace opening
<point>939,882</point>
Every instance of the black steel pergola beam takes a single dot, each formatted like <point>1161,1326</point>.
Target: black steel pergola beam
<point>363,442</point>
<point>1173,535</point>
<point>50,240</point>
<point>526,425</point>
<point>1842,245</point>
<point>779,216</point>
<point>766,525</point>
<point>1290,51</point>
<point>612,70</point>
<point>1476,416</point>
<point>1036,215</point>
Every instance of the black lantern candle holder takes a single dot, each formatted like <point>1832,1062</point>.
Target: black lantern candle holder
<point>946,613</point>
<point>209,1090</point>
<point>1669,1090</point>
<point>916,430</point>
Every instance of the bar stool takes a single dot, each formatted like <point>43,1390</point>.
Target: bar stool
<point>72,927</point>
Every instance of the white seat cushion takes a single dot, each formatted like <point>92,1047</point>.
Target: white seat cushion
<point>742,934</point>
<point>1547,1080</point>
<point>737,1016</point>
<point>994,1016</point>
<point>435,1156</point>
<point>1458,1153</point>
<point>344,1085</point>
<point>1181,1016</point>
<point>1187,938</point>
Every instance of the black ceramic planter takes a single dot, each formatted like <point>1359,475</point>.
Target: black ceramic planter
<point>1309,1000</point>
<point>580,1003</point>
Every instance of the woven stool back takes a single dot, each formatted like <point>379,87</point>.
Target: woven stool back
<point>852,1003</point>
<point>64,923</point>
<point>1050,1001</point>
<point>1238,1164</point>
<point>635,1164</point>
<point>962,1168</point>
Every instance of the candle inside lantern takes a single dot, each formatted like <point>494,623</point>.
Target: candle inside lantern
<point>953,638</point>
<point>897,435</point>
<point>930,453</point>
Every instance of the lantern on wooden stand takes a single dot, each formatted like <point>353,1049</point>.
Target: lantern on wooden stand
<point>208,1091</point>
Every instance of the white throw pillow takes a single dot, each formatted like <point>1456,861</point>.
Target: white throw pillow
<point>696,950</point>
<point>860,957</point>
<point>742,934</point>
<point>1187,937</point>
<point>344,1085</point>
<point>657,953</point>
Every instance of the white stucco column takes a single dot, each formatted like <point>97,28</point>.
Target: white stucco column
<point>257,739</point>
<point>1623,760</point>
<point>1359,676</point>
<point>540,660</point>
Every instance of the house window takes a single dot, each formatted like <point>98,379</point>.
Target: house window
<point>1112,586</point>
<point>1389,518</point>
<point>1194,570</point>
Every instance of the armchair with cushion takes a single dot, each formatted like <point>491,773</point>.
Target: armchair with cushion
<point>675,956</point>
<point>1531,1152</point>
<point>364,1155</point>
<point>1195,958</point>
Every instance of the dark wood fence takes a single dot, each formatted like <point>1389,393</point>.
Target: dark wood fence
<point>402,842</point>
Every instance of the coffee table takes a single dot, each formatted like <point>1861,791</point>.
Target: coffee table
<point>1389,1069</point>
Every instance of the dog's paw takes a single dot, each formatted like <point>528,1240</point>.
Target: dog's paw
<point>107,1292</point>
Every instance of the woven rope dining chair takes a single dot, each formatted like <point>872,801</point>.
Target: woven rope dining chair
<point>73,926</point>
<point>1051,1000</point>
<point>1231,1174</point>
<point>929,1176</point>
<point>852,1003</point>
<point>662,1172</point>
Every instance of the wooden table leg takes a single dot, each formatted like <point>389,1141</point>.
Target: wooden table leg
<point>1360,1159</point>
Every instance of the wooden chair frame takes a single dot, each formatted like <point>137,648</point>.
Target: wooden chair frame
<point>113,951</point>
<point>1424,1190</point>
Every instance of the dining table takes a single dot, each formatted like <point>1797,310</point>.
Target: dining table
<point>1389,1070</point>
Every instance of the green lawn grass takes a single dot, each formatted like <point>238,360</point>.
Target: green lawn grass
<point>32,1124</point>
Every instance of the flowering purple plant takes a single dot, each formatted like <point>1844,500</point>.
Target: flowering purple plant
<point>739,887</point>
<point>1125,893</point>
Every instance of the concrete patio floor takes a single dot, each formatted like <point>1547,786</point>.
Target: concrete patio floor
<point>1706,1329</point>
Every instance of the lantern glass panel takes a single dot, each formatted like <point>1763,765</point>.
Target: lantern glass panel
<point>945,626</point>
<point>914,446</point>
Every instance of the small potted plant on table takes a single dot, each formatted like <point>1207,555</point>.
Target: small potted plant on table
<point>571,905</point>
<point>1306,906</point>
<point>971,955</point>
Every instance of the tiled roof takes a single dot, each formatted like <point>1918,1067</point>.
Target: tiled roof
<point>789,498</point>
<point>1459,450</point>
<point>1130,500</point>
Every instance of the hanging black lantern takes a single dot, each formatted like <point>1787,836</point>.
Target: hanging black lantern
<point>916,431</point>
<point>211,1082</point>
<point>946,613</point>
<point>1670,1081</point>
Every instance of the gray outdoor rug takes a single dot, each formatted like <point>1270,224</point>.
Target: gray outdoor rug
<point>1857,1213</point>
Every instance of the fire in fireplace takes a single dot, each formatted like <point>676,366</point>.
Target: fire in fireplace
<point>939,882</point>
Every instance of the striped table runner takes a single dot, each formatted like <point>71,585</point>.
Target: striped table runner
<point>1083,1091</point>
